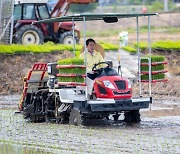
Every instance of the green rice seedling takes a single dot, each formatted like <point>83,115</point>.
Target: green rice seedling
<point>160,67</point>
<point>77,61</point>
<point>65,61</point>
<point>154,58</point>
<point>105,47</point>
<point>77,53</point>
<point>34,49</point>
<point>154,76</point>
<point>144,60</point>
<point>79,79</point>
<point>142,45</point>
<point>44,49</point>
<point>69,47</point>
<point>130,49</point>
<point>161,58</point>
<point>78,47</point>
<point>16,48</point>
<point>71,79</point>
<point>49,43</point>
<point>167,45</point>
<point>65,70</point>
<point>6,49</point>
<point>153,68</point>
<point>68,61</point>
<point>144,77</point>
<point>109,46</point>
<point>59,47</point>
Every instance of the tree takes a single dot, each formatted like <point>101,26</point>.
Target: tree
<point>82,8</point>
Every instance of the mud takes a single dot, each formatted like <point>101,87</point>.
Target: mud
<point>158,132</point>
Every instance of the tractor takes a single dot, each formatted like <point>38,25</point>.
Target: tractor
<point>28,11</point>
<point>46,97</point>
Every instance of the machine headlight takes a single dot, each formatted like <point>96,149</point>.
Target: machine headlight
<point>108,84</point>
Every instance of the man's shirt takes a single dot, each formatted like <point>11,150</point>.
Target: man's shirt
<point>93,59</point>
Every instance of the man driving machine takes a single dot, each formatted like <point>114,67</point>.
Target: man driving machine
<point>93,57</point>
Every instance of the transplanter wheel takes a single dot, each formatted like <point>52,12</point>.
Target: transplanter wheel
<point>132,116</point>
<point>75,117</point>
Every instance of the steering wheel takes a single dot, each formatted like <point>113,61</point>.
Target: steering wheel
<point>100,69</point>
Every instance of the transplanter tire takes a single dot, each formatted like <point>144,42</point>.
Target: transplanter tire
<point>75,117</point>
<point>29,34</point>
<point>135,116</point>
<point>67,38</point>
<point>132,116</point>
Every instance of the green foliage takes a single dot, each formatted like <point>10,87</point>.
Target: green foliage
<point>129,49</point>
<point>157,6</point>
<point>135,2</point>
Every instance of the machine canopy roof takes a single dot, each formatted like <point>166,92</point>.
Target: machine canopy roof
<point>108,17</point>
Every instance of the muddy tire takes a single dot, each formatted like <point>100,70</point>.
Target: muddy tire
<point>67,38</point>
<point>132,116</point>
<point>116,117</point>
<point>75,117</point>
<point>29,34</point>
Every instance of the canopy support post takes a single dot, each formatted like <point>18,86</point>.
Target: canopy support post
<point>149,49</point>
<point>139,59</point>
<point>85,52</point>
<point>74,52</point>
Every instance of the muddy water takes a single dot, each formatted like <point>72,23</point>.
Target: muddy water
<point>155,134</point>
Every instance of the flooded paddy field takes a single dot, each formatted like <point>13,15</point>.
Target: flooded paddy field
<point>158,132</point>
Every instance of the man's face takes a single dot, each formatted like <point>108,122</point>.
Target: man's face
<point>90,47</point>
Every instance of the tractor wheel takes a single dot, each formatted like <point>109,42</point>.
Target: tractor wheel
<point>29,34</point>
<point>132,116</point>
<point>75,117</point>
<point>67,38</point>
